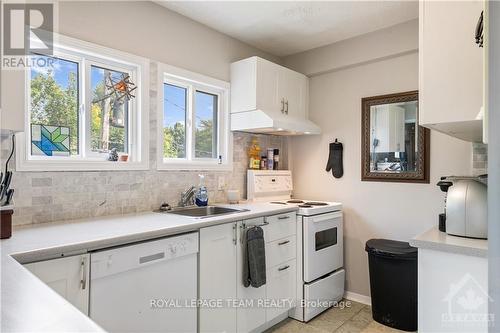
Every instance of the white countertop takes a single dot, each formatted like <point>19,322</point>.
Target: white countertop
<point>27,304</point>
<point>434,239</point>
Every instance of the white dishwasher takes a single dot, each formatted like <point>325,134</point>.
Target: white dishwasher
<point>146,287</point>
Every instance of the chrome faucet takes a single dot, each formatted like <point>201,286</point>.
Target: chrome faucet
<point>187,197</point>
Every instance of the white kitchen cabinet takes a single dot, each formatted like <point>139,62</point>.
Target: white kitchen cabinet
<point>249,317</point>
<point>218,273</point>
<point>68,276</point>
<point>281,284</point>
<point>388,122</point>
<point>221,275</point>
<point>258,84</point>
<point>293,89</point>
<point>452,292</point>
<point>450,68</point>
<point>12,100</point>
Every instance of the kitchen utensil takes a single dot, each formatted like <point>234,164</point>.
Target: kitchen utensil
<point>4,187</point>
<point>10,194</point>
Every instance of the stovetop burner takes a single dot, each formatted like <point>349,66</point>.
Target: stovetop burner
<point>295,201</point>
<point>305,206</point>
<point>316,203</point>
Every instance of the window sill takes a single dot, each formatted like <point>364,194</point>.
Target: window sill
<point>23,163</point>
<point>47,165</point>
<point>194,166</point>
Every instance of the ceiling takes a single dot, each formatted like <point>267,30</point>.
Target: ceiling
<point>285,27</point>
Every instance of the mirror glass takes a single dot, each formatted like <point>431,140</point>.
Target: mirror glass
<point>394,148</point>
<point>393,137</point>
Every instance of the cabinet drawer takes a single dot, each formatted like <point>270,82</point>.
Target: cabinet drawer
<point>280,226</point>
<point>281,288</point>
<point>280,250</point>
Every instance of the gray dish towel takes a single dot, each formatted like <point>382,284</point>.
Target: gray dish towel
<point>254,258</point>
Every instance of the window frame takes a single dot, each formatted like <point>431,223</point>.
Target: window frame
<point>195,82</point>
<point>87,54</point>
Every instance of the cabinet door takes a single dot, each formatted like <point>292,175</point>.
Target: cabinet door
<point>397,123</point>
<point>68,276</point>
<point>281,288</point>
<point>218,277</point>
<point>451,64</point>
<point>452,288</point>
<point>12,108</point>
<point>293,86</point>
<point>268,98</point>
<point>249,317</point>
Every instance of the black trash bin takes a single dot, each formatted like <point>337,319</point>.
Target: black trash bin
<point>393,283</point>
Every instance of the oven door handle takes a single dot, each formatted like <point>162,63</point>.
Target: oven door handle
<point>324,217</point>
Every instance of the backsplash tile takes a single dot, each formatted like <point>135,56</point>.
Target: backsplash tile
<point>56,196</point>
<point>479,158</point>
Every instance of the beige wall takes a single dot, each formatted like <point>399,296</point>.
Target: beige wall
<point>152,31</point>
<point>372,209</point>
<point>385,43</point>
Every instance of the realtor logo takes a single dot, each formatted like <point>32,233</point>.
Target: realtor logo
<point>467,303</point>
<point>27,28</point>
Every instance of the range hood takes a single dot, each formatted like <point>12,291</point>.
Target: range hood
<point>258,121</point>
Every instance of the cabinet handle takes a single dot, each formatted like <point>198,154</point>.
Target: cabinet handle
<point>283,268</point>
<point>286,110</point>
<point>283,217</point>
<point>156,256</point>
<point>234,233</point>
<point>83,268</point>
<point>282,105</point>
<point>284,242</point>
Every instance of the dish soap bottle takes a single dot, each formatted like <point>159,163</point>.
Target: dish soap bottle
<point>254,155</point>
<point>201,197</point>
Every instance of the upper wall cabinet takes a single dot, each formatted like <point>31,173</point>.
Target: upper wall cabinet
<point>451,68</point>
<point>269,98</point>
<point>12,101</point>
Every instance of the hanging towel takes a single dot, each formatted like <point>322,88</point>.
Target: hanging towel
<point>254,258</point>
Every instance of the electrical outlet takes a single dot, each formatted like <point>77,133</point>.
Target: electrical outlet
<point>222,183</point>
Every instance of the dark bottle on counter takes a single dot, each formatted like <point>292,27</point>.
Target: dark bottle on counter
<point>276,159</point>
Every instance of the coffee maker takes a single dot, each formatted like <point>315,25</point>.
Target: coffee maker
<point>465,212</point>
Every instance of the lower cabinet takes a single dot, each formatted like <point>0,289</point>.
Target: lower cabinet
<point>217,276</point>
<point>281,283</point>
<point>246,309</point>
<point>452,292</point>
<point>68,276</point>
<point>250,315</point>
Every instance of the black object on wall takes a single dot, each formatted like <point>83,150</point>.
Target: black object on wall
<point>479,31</point>
<point>335,161</point>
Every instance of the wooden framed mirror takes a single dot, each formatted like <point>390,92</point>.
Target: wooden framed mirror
<point>394,148</point>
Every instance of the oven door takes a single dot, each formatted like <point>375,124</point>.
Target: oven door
<point>323,245</point>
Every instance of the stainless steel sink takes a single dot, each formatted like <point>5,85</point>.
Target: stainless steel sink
<point>204,212</point>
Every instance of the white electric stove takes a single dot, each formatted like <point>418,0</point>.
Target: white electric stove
<point>320,245</point>
<point>311,207</point>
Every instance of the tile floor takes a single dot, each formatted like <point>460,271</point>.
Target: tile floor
<point>351,319</point>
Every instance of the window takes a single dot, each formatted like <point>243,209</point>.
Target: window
<point>78,109</point>
<point>54,104</point>
<point>174,121</point>
<point>205,125</point>
<point>195,125</point>
<point>108,114</point>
